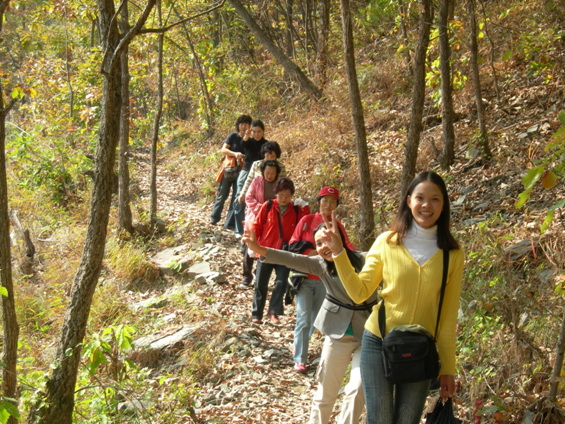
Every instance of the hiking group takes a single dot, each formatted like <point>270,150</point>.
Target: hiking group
<point>413,271</point>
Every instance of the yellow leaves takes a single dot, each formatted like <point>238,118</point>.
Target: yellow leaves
<point>18,92</point>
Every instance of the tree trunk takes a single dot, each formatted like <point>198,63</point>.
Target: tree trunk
<point>156,122</point>
<point>289,45</point>
<point>558,366</point>
<point>483,134</point>
<point>322,50</point>
<point>10,327</point>
<point>367,221</point>
<point>56,404</point>
<point>291,68</point>
<point>404,33</point>
<point>125,221</point>
<point>208,104</point>
<point>448,153</point>
<point>418,96</point>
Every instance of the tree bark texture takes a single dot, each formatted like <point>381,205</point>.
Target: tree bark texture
<point>483,134</point>
<point>125,221</point>
<point>56,404</point>
<point>558,365</point>
<point>10,326</point>
<point>367,220</point>
<point>404,33</point>
<point>290,67</point>
<point>418,97</point>
<point>448,153</point>
<point>322,50</point>
<point>289,43</point>
<point>156,122</point>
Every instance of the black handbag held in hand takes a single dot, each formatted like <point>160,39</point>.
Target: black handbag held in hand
<point>409,351</point>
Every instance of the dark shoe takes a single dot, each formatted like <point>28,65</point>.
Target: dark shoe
<point>274,319</point>
<point>245,283</point>
<point>255,320</point>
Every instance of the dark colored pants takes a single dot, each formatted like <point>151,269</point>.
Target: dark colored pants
<point>223,193</point>
<point>247,265</point>
<point>262,285</point>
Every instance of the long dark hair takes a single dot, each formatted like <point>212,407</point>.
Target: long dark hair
<point>404,218</point>
<point>357,260</point>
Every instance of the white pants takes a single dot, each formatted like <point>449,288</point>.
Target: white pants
<point>337,354</point>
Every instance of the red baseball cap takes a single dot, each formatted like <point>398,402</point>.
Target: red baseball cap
<point>328,191</point>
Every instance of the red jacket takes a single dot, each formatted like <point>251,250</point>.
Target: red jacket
<point>305,233</point>
<point>267,225</point>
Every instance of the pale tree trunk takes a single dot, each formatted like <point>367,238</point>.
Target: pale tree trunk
<point>56,404</point>
<point>483,134</point>
<point>448,153</point>
<point>418,96</point>
<point>322,50</point>
<point>156,122</point>
<point>10,327</point>
<point>367,226</point>
<point>125,221</point>
<point>290,67</point>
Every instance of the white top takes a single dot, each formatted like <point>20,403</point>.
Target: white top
<point>420,242</point>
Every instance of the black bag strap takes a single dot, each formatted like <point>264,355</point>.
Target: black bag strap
<point>270,205</point>
<point>360,307</point>
<point>382,312</point>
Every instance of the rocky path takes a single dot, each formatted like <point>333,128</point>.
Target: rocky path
<point>251,377</point>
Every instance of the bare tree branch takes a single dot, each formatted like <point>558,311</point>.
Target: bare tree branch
<point>168,27</point>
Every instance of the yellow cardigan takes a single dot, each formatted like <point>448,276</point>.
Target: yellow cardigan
<point>411,291</point>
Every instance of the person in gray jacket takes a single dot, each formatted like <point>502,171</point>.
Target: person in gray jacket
<point>340,320</point>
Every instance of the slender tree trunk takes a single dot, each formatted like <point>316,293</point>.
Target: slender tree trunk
<point>156,122</point>
<point>208,103</point>
<point>367,221</point>
<point>404,34</point>
<point>448,153</point>
<point>492,52</point>
<point>56,404</point>
<point>483,134</point>
<point>125,221</point>
<point>322,50</point>
<point>289,45</point>
<point>558,365</point>
<point>418,96</point>
<point>10,327</point>
<point>293,70</point>
<point>68,67</point>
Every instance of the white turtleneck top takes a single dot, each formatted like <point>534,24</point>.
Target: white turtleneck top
<point>420,242</point>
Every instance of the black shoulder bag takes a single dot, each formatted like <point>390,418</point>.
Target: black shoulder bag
<point>409,351</point>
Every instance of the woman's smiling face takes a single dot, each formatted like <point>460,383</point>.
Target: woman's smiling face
<point>426,204</point>
<point>321,247</point>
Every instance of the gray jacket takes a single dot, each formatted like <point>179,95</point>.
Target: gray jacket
<point>333,319</point>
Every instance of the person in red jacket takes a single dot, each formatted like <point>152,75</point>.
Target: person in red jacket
<point>274,225</point>
<point>312,292</point>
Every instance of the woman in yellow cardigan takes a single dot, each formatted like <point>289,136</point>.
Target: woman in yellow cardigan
<point>408,259</point>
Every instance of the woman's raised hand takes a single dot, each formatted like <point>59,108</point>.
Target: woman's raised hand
<point>251,240</point>
<point>331,235</point>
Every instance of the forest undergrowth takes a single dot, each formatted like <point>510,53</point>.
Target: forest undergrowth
<point>514,281</point>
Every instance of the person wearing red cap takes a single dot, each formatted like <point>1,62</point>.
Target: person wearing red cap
<point>312,292</point>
